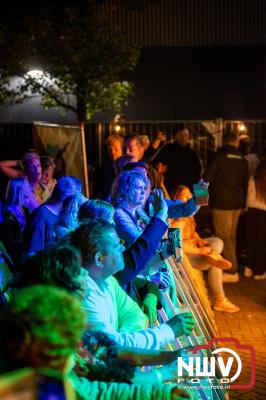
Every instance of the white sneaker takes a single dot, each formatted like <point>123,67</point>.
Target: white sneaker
<point>248,272</point>
<point>230,278</point>
<point>226,306</point>
<point>260,277</point>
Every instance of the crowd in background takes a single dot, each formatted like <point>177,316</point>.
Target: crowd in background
<point>83,278</point>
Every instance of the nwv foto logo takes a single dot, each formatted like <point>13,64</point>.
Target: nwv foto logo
<point>206,366</point>
<point>201,366</point>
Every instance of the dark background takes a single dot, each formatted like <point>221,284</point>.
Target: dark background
<point>181,83</point>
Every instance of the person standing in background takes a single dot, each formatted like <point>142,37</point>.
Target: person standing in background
<point>227,173</point>
<point>246,150</point>
<point>156,145</point>
<point>182,164</point>
<point>256,224</point>
<point>134,148</point>
<point>105,174</point>
<point>47,181</point>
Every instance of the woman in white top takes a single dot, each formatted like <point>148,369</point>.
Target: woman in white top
<point>256,224</point>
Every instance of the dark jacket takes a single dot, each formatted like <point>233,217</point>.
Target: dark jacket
<point>140,252</point>
<point>103,180</point>
<point>183,165</point>
<point>227,173</point>
<point>39,231</point>
<point>11,234</point>
<point>136,258</point>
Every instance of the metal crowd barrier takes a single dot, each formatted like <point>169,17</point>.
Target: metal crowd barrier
<point>192,298</point>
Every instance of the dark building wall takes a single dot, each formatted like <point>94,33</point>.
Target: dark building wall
<point>199,83</point>
<point>190,22</point>
<point>182,83</point>
<point>199,59</point>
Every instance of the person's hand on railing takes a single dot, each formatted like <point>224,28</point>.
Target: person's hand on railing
<point>149,306</point>
<point>181,324</point>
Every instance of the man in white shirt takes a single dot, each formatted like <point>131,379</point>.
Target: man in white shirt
<point>108,306</point>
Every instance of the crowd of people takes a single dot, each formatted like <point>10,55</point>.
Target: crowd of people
<point>82,279</point>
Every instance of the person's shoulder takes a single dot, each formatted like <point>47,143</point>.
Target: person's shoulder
<point>111,280</point>
<point>121,213</point>
<point>189,151</point>
<point>219,154</point>
<point>112,284</point>
<point>170,146</point>
<point>36,211</point>
<point>235,154</point>
<point>42,209</point>
<point>39,213</point>
<point>119,210</point>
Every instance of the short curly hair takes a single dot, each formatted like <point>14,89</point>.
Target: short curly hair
<point>40,327</point>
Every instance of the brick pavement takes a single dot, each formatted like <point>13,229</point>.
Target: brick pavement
<point>249,327</point>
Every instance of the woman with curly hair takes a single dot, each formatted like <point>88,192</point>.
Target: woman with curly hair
<point>256,224</point>
<point>130,192</point>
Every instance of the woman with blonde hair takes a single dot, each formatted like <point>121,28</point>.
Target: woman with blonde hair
<point>129,194</point>
<point>18,205</point>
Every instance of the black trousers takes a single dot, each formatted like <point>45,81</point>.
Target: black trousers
<point>256,240</point>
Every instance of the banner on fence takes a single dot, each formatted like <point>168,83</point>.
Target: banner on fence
<point>66,145</point>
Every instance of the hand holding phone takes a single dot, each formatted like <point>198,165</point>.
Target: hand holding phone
<point>201,193</point>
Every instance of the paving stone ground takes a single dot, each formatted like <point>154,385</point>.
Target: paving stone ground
<point>249,327</point>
